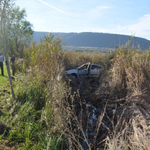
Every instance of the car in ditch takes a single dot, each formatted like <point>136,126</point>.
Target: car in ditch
<point>86,70</point>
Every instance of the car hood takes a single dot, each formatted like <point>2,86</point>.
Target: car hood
<point>71,71</point>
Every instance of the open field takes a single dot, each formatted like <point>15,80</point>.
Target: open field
<point>88,49</point>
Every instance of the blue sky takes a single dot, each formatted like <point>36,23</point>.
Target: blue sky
<point>129,17</point>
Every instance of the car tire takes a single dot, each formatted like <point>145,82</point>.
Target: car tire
<point>74,76</point>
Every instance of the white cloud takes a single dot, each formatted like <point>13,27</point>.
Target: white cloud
<point>53,7</point>
<point>103,7</point>
<point>139,29</point>
<point>67,1</point>
<point>143,24</point>
<point>142,27</point>
<point>96,13</point>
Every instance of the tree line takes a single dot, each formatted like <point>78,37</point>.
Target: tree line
<point>14,26</point>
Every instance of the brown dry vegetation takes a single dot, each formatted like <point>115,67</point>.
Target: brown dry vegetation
<point>123,95</point>
<point>69,113</point>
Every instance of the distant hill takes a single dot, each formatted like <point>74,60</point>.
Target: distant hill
<point>89,39</point>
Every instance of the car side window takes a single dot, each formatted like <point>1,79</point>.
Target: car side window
<point>95,67</point>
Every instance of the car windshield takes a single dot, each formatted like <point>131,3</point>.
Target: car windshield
<point>85,66</point>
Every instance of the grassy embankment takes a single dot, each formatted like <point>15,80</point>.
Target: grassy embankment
<point>50,111</point>
<point>3,80</point>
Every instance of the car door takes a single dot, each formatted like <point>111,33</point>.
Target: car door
<point>95,70</point>
<point>83,70</point>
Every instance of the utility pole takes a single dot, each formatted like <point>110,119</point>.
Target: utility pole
<point>3,37</point>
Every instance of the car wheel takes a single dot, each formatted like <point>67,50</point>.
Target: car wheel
<point>74,76</point>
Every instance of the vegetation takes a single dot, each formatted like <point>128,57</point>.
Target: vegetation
<point>19,31</point>
<point>102,41</point>
<point>16,31</point>
<point>88,49</point>
<point>4,79</point>
<point>52,111</point>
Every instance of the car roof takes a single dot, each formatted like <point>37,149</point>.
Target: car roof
<point>89,64</point>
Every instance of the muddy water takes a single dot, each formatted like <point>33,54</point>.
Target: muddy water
<point>92,128</point>
<point>92,124</point>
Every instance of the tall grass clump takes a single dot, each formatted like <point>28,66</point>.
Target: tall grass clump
<point>129,113</point>
<point>130,70</point>
<point>54,112</point>
<point>35,114</point>
<point>74,59</point>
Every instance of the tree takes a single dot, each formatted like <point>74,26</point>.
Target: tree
<point>19,31</point>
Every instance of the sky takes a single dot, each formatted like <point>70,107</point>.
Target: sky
<point>128,17</point>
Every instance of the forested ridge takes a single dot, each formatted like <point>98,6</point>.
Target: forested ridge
<point>89,39</point>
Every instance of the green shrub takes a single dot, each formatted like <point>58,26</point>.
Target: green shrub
<point>39,92</point>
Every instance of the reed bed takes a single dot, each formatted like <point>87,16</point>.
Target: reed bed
<point>52,111</point>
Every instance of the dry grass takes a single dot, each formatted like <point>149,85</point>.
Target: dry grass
<point>122,95</point>
<point>127,115</point>
<point>124,90</point>
<point>130,70</point>
<point>74,59</point>
<point>115,116</point>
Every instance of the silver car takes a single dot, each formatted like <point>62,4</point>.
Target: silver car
<point>86,70</point>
